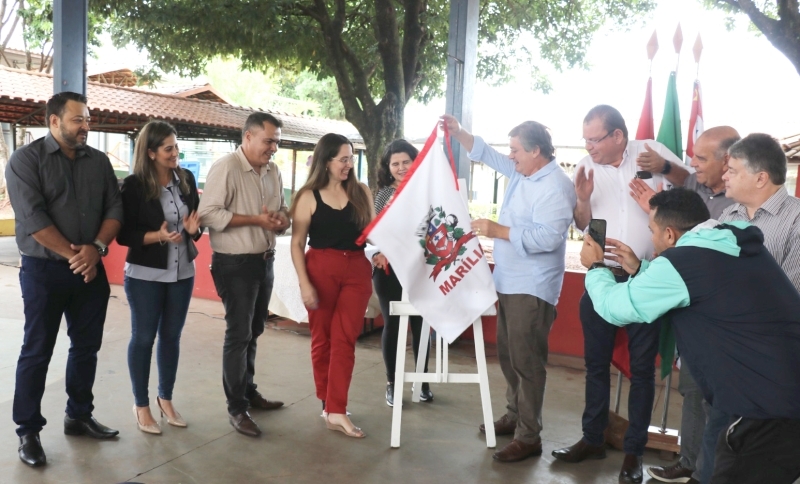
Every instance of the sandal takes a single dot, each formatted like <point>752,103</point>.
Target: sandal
<point>357,433</point>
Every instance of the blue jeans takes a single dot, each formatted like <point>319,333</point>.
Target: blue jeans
<point>599,335</point>
<point>156,308</point>
<point>716,423</point>
<point>49,291</point>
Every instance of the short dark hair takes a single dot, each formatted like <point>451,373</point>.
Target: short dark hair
<point>57,104</point>
<point>761,152</point>
<point>679,208</point>
<point>397,146</point>
<point>258,119</point>
<point>532,134</point>
<point>611,118</point>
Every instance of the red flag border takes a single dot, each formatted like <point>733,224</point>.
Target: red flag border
<point>417,162</point>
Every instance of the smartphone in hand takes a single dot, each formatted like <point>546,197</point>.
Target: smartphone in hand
<point>597,231</point>
<point>644,175</point>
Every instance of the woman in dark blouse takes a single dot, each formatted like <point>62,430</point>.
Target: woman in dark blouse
<point>161,224</point>
<point>331,210</point>
<point>395,162</point>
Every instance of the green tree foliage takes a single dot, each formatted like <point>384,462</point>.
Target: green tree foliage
<point>380,53</point>
<point>778,20</point>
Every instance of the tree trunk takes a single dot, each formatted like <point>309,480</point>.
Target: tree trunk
<point>384,124</point>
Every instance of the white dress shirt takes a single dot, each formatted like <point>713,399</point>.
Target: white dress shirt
<point>612,202</point>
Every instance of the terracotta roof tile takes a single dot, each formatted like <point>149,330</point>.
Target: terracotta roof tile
<point>123,109</point>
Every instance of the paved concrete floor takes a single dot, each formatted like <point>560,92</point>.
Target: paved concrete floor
<point>440,441</point>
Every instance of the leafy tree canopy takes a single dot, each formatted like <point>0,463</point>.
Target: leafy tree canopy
<point>778,20</point>
<point>381,53</point>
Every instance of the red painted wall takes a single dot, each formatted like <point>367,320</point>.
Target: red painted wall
<point>203,284</point>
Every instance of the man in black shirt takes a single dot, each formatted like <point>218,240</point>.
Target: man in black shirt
<point>68,209</point>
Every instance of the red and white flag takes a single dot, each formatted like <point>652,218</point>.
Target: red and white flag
<point>695,120</point>
<point>425,235</point>
<point>646,128</point>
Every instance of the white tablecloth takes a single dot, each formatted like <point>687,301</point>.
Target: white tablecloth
<point>286,300</point>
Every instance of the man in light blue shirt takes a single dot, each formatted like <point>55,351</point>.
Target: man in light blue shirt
<point>530,240</point>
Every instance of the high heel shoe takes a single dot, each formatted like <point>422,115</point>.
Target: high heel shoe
<point>149,429</point>
<point>178,421</point>
<point>357,433</point>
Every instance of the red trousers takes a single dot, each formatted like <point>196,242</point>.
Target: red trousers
<point>343,280</point>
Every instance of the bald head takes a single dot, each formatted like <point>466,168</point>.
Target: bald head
<point>710,159</point>
<point>723,137</point>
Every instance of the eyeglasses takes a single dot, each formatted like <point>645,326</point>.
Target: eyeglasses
<point>346,159</point>
<point>594,142</point>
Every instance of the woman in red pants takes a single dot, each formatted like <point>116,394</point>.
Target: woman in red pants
<point>335,276</point>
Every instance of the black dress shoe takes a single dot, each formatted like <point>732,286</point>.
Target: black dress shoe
<point>580,451</point>
<point>88,426</point>
<point>426,395</point>
<point>631,470</point>
<point>30,450</point>
<point>390,394</point>
<point>244,424</point>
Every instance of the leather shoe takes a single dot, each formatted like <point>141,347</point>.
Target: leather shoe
<point>580,451</point>
<point>88,426</point>
<point>673,473</point>
<point>258,401</point>
<point>631,469</point>
<point>30,450</point>
<point>517,451</point>
<point>244,424</point>
<point>503,426</point>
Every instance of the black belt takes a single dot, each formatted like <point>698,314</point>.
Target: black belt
<point>262,255</point>
<point>269,254</point>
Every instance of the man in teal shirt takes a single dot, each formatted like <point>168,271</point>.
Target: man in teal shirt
<point>736,318</point>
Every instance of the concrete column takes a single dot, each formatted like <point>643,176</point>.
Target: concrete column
<point>70,38</point>
<point>462,64</point>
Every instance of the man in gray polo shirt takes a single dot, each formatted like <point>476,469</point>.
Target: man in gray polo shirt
<point>68,209</point>
<point>710,162</point>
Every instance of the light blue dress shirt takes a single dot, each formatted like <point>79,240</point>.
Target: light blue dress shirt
<point>538,208</point>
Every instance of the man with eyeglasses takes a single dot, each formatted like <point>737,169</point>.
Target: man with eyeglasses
<point>601,185</point>
<point>244,208</point>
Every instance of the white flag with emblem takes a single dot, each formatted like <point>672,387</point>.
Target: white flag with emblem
<point>425,234</point>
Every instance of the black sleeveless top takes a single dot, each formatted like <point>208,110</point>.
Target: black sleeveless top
<point>333,229</point>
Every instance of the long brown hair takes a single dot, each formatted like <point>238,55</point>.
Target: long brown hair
<point>327,149</point>
<point>151,137</point>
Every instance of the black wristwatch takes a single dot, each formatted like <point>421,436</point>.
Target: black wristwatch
<point>102,248</point>
<point>598,265</point>
<point>667,168</point>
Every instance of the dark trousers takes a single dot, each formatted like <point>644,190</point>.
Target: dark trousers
<point>157,308</point>
<point>388,289</point>
<point>244,283</point>
<point>599,337</point>
<point>754,451</point>
<point>342,281</point>
<point>49,291</point>
<point>693,420</point>
<point>523,327</point>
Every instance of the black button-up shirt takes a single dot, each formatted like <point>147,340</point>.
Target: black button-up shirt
<point>47,188</point>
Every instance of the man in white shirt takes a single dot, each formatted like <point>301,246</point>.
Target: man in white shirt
<point>601,185</point>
